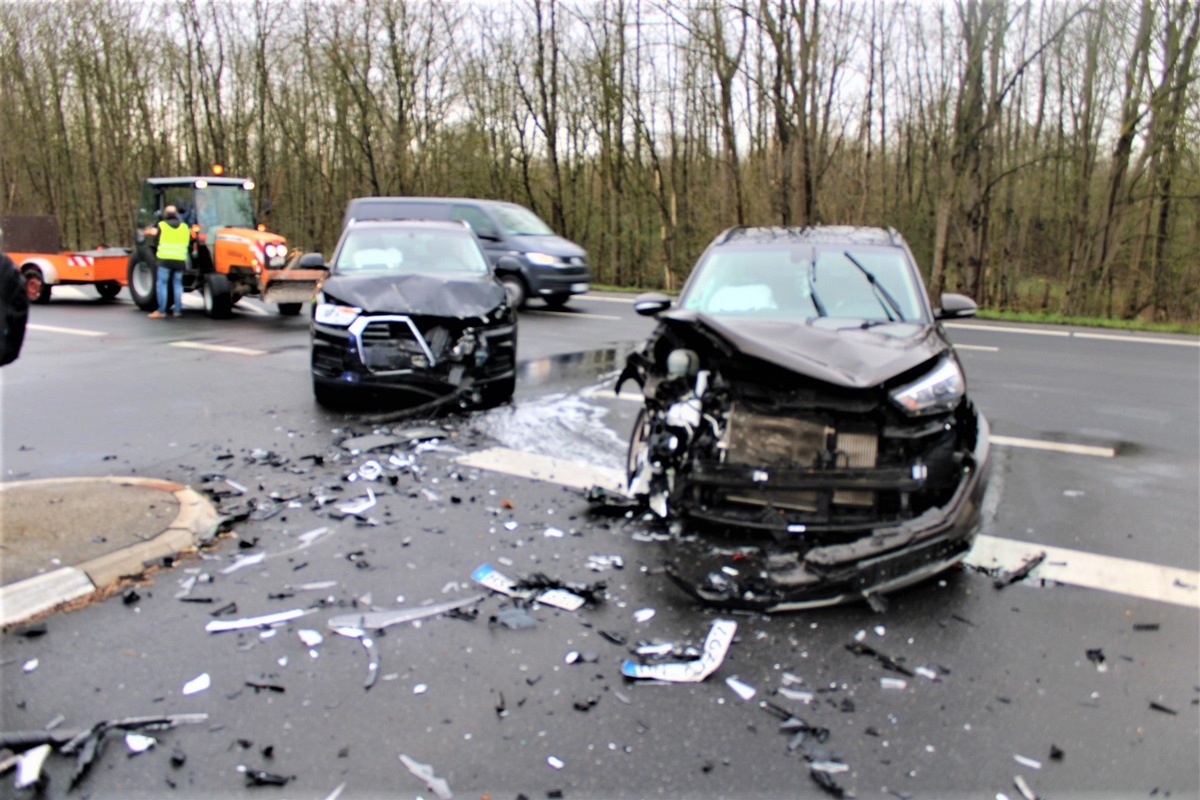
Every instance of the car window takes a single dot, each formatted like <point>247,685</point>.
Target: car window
<point>520,221</point>
<point>410,252</point>
<point>784,283</point>
<point>479,221</point>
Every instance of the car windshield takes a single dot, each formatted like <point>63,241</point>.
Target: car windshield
<point>802,282</point>
<point>520,221</point>
<point>410,251</point>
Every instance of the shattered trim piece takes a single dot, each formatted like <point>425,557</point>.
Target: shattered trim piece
<point>264,621</point>
<point>378,620</point>
<point>716,645</point>
<point>490,578</point>
<point>439,786</point>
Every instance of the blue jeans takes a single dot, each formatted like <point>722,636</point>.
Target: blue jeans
<point>175,276</point>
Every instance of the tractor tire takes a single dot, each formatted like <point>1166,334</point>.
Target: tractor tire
<point>142,277</point>
<point>36,287</point>
<point>108,289</point>
<point>290,309</point>
<point>218,302</point>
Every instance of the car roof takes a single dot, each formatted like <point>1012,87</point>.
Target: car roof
<point>449,226</point>
<point>408,199</point>
<point>184,180</point>
<point>810,234</point>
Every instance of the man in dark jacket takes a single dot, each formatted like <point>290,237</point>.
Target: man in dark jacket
<point>14,308</point>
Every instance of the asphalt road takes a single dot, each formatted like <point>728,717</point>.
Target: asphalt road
<point>501,711</point>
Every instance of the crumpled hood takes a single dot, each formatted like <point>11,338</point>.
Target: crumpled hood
<point>836,351</point>
<point>460,296</point>
<point>550,245</point>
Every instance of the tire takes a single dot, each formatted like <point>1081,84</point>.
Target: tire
<point>141,278</point>
<point>514,287</point>
<point>637,441</point>
<point>327,397</point>
<point>108,289</point>
<point>498,392</point>
<point>36,287</point>
<point>556,300</point>
<point>290,309</point>
<point>218,303</point>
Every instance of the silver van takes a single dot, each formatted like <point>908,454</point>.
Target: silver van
<point>529,259</point>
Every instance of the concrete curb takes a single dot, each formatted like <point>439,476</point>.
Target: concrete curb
<point>195,523</point>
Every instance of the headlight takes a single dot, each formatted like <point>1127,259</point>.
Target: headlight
<point>542,259</point>
<point>274,250</point>
<point>333,314</point>
<point>938,391</point>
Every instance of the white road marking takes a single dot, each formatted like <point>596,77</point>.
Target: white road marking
<point>1112,337</point>
<point>578,314</point>
<point>1056,447</point>
<point>1180,587</point>
<point>626,300</point>
<point>219,348</point>
<point>1071,567</point>
<point>72,331</point>
<point>981,347</point>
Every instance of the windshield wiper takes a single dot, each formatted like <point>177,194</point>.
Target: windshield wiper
<point>812,288</point>
<point>881,293</point>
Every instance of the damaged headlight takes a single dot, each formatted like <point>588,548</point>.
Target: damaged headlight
<point>327,313</point>
<point>938,391</point>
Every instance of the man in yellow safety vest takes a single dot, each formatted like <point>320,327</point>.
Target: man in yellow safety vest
<point>173,239</point>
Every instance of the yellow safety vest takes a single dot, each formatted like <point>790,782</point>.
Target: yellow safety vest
<point>173,241</point>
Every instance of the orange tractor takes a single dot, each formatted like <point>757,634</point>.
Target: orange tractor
<point>231,255</point>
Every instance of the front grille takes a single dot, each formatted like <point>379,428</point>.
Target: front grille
<point>388,346</point>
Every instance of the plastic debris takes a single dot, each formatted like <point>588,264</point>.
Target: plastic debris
<point>553,533</point>
<point>258,777</point>
<point>487,576</point>
<point>243,562</point>
<point>515,618</point>
<point>716,645</point>
<point>372,652</point>
<point>1024,789</point>
<point>370,442</point>
<point>138,743</point>
<point>378,620</point>
<point>798,695</point>
<point>30,665</point>
<point>266,620</point>
<point>643,615</point>
<point>439,786</point>
<point>370,471</point>
<point>197,684</point>
<point>742,690</point>
<point>1026,761</point>
<point>336,793</point>
<point>860,649</point>
<point>29,766</point>
<point>358,505</point>
<point>555,762</point>
<point>598,563</point>
<point>1163,709</point>
<point>310,637</point>
<point>1021,572</point>
<point>893,683</point>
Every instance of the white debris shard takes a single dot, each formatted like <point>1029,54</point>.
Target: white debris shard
<point>137,743</point>
<point>716,645</point>
<point>439,786</point>
<point>742,690</point>
<point>197,684</point>
<point>220,626</point>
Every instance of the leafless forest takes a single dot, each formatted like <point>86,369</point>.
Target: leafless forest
<point>1040,155</point>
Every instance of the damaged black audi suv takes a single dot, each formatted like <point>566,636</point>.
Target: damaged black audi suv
<point>412,310</point>
<point>806,424</point>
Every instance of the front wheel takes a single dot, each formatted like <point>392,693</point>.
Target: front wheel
<point>498,392</point>
<point>218,302</point>
<point>514,287</point>
<point>556,300</point>
<point>290,309</point>
<point>141,278</point>
<point>36,287</point>
<point>108,289</point>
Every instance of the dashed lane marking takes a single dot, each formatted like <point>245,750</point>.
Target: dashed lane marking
<point>1111,337</point>
<point>575,314</point>
<point>219,348</point>
<point>981,347</point>
<point>1055,447</point>
<point>1070,567</point>
<point>71,331</point>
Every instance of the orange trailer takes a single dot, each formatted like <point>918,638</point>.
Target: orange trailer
<point>34,244</point>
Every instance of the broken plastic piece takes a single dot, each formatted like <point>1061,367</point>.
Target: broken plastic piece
<point>378,620</point>
<point>370,471</point>
<point>1164,709</point>
<point>266,620</point>
<point>30,665</point>
<point>487,576</point>
<point>372,652</point>
<point>258,777</point>
<point>1026,761</point>
<point>887,661</point>
<point>137,743</point>
<point>29,766</point>
<point>197,684</point>
<point>643,615</point>
<point>716,645</point>
<point>893,683</point>
<point>244,561</point>
<point>742,690</point>
<point>1023,788</point>
<point>439,786</point>
<point>1021,572</point>
<point>555,762</point>
<point>358,505</point>
<point>310,637</point>
<point>598,563</point>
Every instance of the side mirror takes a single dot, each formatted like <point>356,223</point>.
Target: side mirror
<point>488,235</point>
<point>651,303</point>
<point>956,306</point>
<point>312,261</point>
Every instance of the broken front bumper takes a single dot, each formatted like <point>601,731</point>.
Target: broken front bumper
<point>785,574</point>
<point>392,354</point>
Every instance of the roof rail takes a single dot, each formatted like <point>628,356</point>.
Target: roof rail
<point>729,232</point>
<point>894,236</point>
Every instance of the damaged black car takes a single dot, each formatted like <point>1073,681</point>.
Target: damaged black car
<point>806,424</point>
<point>412,311</point>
